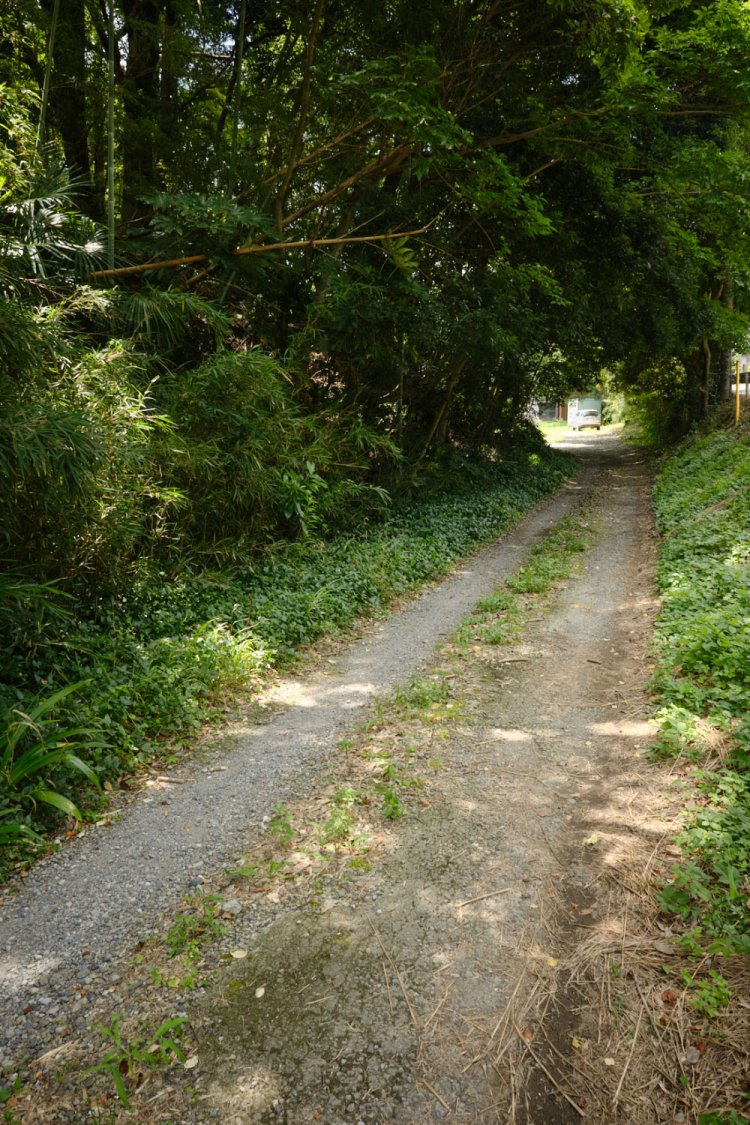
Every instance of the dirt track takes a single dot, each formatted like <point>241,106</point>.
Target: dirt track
<point>389,989</point>
<point>410,971</point>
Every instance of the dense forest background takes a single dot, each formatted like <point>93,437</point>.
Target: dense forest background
<point>576,173</point>
<point>267,267</point>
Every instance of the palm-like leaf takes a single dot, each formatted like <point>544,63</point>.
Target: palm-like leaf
<point>163,316</point>
<point>28,753</point>
<point>42,234</point>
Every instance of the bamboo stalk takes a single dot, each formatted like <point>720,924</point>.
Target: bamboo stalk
<point>47,79</point>
<point>308,243</point>
<point>237,94</point>
<point>111,136</point>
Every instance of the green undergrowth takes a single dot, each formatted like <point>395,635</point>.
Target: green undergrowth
<point>702,682</point>
<point>153,664</point>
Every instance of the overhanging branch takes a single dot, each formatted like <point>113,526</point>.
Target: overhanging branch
<point>306,243</point>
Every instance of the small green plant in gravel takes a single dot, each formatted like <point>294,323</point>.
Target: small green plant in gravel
<point>392,807</point>
<point>280,826</point>
<point>421,692</point>
<point>339,827</point>
<point>244,871</point>
<point>189,981</point>
<point>190,931</point>
<point>276,867</point>
<point>8,1092</point>
<point>126,1058</point>
<point>427,698</point>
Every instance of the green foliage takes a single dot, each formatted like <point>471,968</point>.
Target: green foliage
<point>280,826</point>
<point>339,826</point>
<point>187,453</point>
<point>392,807</point>
<point>37,751</point>
<point>726,1117</point>
<point>44,238</point>
<point>702,678</point>
<point>204,223</point>
<point>191,930</point>
<point>708,996</point>
<point>126,1057</point>
<point>159,657</point>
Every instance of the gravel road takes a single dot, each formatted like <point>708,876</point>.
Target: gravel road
<point>78,910</point>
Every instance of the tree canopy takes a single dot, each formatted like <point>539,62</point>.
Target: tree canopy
<point>353,236</point>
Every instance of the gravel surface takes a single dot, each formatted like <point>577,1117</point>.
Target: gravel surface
<point>79,910</point>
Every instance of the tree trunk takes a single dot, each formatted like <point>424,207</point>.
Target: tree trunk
<point>727,356</point>
<point>68,95</point>
<point>141,105</point>
<point>705,376</point>
<point>442,411</point>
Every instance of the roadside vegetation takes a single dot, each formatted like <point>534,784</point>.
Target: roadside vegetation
<point>389,771</point>
<point>267,280</point>
<point>94,689</point>
<point>702,644</point>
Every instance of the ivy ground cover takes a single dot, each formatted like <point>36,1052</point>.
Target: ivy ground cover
<point>138,673</point>
<point>702,499</point>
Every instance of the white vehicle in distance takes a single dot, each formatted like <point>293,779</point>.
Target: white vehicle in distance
<point>587,419</point>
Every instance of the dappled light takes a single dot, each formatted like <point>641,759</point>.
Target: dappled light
<point>625,728</point>
<point>497,734</point>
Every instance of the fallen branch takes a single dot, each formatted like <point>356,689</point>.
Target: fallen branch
<point>395,968</point>
<point>490,894</point>
<point>266,248</point>
<point>554,1082</point>
<point>435,1094</point>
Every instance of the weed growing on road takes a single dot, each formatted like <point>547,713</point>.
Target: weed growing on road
<point>427,698</point>
<point>189,981</point>
<point>126,1058</point>
<point>392,806</point>
<point>189,931</point>
<point>280,826</point>
<point>339,828</point>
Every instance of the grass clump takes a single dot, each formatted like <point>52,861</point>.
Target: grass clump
<point>126,1057</point>
<point>702,682</point>
<point>500,618</point>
